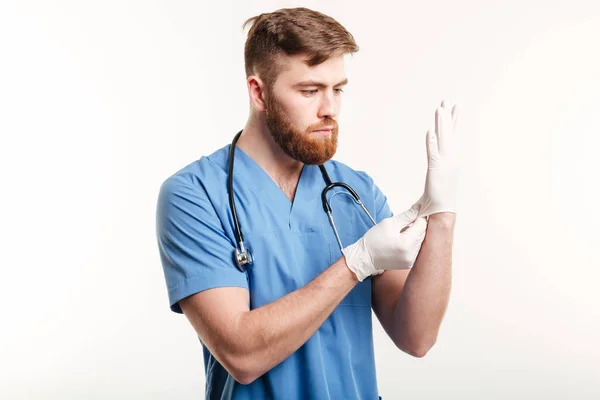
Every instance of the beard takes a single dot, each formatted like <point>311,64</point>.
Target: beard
<point>300,144</point>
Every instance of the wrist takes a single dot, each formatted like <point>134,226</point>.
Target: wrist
<point>446,219</point>
<point>351,273</point>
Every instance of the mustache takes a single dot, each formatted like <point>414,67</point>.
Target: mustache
<point>327,122</point>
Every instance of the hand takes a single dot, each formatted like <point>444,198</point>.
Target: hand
<point>442,164</point>
<point>391,244</point>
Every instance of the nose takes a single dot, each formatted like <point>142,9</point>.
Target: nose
<point>328,106</point>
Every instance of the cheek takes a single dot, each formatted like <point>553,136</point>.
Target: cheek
<point>302,112</point>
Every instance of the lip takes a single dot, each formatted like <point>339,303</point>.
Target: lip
<point>324,130</point>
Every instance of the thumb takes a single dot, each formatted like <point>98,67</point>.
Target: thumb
<point>407,217</point>
<point>417,229</point>
<point>432,146</point>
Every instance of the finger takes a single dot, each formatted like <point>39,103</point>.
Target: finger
<point>444,135</point>
<point>438,122</point>
<point>433,149</point>
<point>428,144</point>
<point>455,113</point>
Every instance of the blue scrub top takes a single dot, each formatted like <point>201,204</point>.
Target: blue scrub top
<point>291,244</point>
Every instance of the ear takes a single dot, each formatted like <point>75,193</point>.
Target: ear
<point>256,92</point>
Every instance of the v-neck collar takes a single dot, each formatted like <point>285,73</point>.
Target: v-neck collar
<point>252,174</point>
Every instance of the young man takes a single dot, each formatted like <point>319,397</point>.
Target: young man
<point>296,324</point>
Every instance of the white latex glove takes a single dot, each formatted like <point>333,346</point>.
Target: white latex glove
<point>387,245</point>
<point>442,164</point>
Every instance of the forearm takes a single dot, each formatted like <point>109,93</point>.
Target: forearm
<point>421,306</point>
<point>272,332</point>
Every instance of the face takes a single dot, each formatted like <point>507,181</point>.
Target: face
<point>303,107</point>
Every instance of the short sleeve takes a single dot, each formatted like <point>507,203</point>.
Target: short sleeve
<point>195,253</point>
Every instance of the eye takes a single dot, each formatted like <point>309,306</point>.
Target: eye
<point>339,91</point>
<point>309,92</point>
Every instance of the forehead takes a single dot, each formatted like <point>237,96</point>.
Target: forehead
<point>294,69</point>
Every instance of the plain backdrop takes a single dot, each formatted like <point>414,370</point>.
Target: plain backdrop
<point>101,101</point>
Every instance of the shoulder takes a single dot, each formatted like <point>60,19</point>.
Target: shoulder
<point>338,171</point>
<point>200,175</point>
<point>196,182</point>
<point>363,184</point>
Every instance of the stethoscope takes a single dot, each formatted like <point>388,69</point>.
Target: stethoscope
<point>242,255</point>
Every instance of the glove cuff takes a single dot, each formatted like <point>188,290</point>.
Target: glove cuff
<point>428,207</point>
<point>358,260</point>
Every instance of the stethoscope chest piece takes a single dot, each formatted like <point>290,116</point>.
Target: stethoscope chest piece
<point>242,257</point>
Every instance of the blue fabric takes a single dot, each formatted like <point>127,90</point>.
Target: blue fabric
<point>291,244</point>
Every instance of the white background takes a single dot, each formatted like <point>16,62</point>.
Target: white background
<point>101,101</point>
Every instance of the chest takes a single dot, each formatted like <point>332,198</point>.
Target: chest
<point>291,247</point>
<point>288,189</point>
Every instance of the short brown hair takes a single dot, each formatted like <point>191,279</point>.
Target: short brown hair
<point>291,31</point>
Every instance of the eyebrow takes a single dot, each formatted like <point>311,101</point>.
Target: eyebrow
<point>319,84</point>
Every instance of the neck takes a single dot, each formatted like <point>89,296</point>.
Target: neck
<point>257,142</point>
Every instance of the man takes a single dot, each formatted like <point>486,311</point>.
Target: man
<point>296,324</point>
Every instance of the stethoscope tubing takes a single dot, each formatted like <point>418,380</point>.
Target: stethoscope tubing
<point>241,254</point>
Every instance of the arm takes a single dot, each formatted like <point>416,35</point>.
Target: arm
<point>411,306</point>
<point>249,343</point>
<point>204,285</point>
